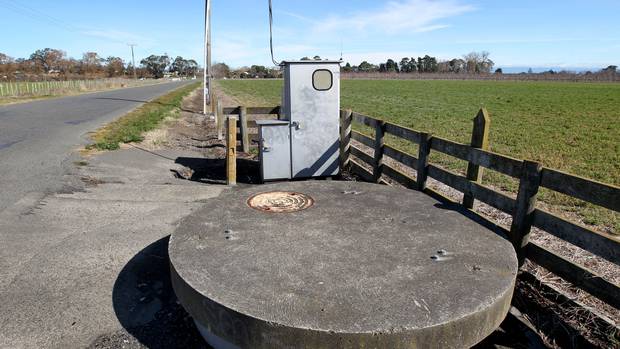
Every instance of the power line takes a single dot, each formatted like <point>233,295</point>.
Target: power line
<point>271,33</point>
<point>38,15</point>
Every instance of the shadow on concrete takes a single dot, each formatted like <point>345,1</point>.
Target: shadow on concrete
<point>145,303</point>
<point>472,216</point>
<point>148,102</point>
<point>213,171</point>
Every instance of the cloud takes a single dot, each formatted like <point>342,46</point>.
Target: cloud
<point>397,16</point>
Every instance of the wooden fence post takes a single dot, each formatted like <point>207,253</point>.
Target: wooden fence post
<point>377,167</point>
<point>479,139</point>
<point>231,151</point>
<point>212,102</point>
<point>243,127</point>
<point>346,117</point>
<point>524,207</point>
<point>219,119</point>
<point>423,153</point>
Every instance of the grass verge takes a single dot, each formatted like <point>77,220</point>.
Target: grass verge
<point>131,127</point>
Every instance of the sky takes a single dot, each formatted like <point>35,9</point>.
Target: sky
<point>559,34</point>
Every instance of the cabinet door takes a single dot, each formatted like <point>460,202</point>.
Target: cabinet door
<point>275,152</point>
<point>315,113</point>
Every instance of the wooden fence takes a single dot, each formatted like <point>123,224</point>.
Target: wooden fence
<point>49,88</point>
<point>525,214</point>
<point>247,130</point>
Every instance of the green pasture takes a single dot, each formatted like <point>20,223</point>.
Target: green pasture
<point>573,127</point>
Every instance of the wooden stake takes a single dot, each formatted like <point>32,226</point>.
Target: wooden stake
<point>479,139</point>
<point>423,154</point>
<point>524,208</point>
<point>243,126</point>
<point>346,117</point>
<point>377,168</point>
<point>231,151</point>
<point>220,120</point>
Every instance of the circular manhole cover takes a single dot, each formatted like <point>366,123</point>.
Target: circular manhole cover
<point>280,202</point>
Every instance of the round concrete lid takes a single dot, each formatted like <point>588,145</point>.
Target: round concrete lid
<point>365,265</point>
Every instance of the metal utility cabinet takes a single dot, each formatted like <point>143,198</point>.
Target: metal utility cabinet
<point>304,143</point>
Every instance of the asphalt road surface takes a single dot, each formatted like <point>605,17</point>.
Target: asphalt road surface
<point>38,140</point>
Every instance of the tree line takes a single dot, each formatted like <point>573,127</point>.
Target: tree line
<point>471,63</point>
<point>54,64</point>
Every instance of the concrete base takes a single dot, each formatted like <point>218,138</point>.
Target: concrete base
<point>365,266</point>
<point>213,340</point>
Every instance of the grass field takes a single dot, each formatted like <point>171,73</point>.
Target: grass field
<point>574,127</point>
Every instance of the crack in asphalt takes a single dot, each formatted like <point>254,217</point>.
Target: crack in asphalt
<point>9,144</point>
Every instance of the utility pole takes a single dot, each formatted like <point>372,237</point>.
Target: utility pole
<point>207,53</point>
<point>133,61</point>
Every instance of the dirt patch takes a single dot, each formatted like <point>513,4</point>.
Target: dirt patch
<point>195,132</point>
<point>190,130</point>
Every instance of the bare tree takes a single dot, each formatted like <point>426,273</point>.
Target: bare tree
<point>48,59</point>
<point>478,62</point>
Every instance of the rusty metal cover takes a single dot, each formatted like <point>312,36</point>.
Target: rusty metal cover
<point>280,202</point>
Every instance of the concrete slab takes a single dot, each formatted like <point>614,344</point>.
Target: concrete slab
<point>365,266</point>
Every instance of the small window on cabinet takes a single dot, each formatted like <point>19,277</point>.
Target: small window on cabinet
<point>322,80</point>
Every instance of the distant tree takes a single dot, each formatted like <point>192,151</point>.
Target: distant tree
<point>413,65</point>
<point>499,71</point>
<point>478,62</point>
<point>179,66</point>
<point>5,59</point>
<point>391,66</point>
<point>486,64</point>
<point>191,67</point>
<point>305,58</point>
<point>258,71</point>
<point>317,58</point>
<point>91,62</point>
<point>156,65</point>
<point>404,65</point>
<point>427,64</point>
<point>114,66</point>
<point>611,69</point>
<point>48,59</point>
<point>443,67</point>
<point>7,67</point>
<point>457,65</point>
<point>530,71</point>
<point>221,70</point>
<point>432,64</point>
<point>347,68</point>
<point>367,67</point>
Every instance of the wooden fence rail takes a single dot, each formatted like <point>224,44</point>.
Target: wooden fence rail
<point>531,175</point>
<point>525,214</point>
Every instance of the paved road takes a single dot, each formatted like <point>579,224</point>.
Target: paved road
<point>38,139</point>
